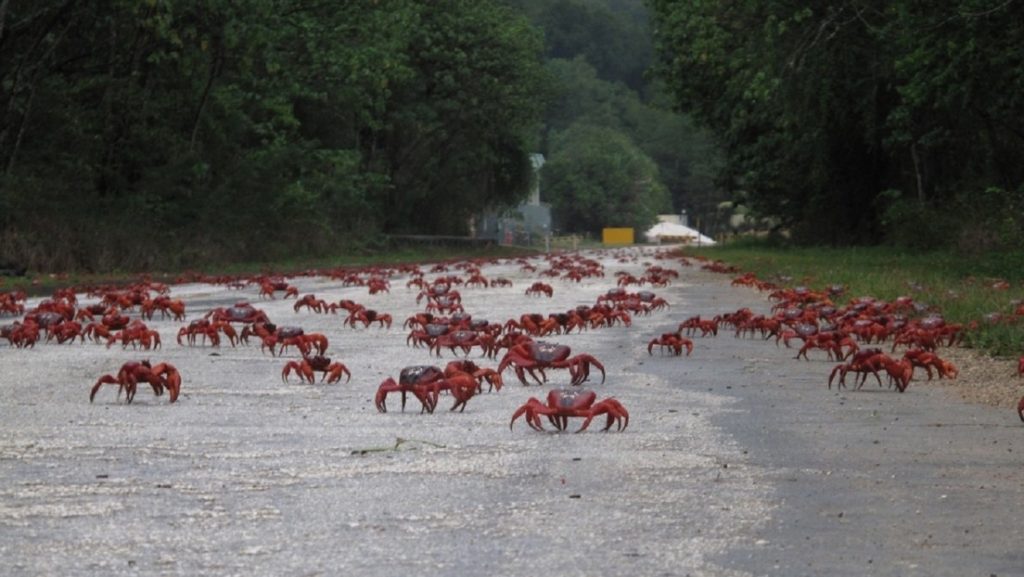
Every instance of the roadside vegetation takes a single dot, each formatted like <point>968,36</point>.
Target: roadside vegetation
<point>158,135</point>
<point>859,123</point>
<point>153,135</point>
<point>45,284</point>
<point>984,289</point>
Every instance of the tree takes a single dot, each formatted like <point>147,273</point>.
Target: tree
<point>456,134</point>
<point>828,111</point>
<point>158,133</point>
<point>596,177</point>
<point>685,155</point>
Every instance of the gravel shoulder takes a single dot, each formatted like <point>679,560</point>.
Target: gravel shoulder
<point>737,459</point>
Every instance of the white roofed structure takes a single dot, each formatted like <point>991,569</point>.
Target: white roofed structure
<point>673,232</point>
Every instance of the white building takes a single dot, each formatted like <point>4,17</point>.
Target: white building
<point>670,229</point>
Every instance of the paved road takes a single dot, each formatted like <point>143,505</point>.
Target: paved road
<point>737,460</point>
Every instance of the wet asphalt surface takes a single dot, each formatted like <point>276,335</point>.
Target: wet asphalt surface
<point>737,460</point>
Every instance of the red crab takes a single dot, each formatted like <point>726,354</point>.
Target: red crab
<point>673,341</point>
<point>89,312</point>
<point>426,382</point>
<point>565,403</point>
<point>482,375</point>
<point>241,312</point>
<point>529,355</point>
<point>331,371</point>
<point>450,302</point>
<point>378,285</point>
<point>694,324</point>
<point>305,342</point>
<point>462,339</point>
<point>136,333</point>
<point>539,288</point>
<point>270,286</point>
<point>368,317</point>
<point>205,329</point>
<point>427,335</point>
<point>159,376</point>
<point>477,280</point>
<point>312,303</point>
<point>872,361</point>
<point>167,306</point>
<point>928,361</point>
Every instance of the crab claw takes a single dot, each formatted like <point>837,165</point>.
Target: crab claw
<point>597,364</point>
<point>838,369</point>
<point>382,393</point>
<point>105,379</point>
<point>528,409</point>
<point>579,368</point>
<point>519,412</point>
<point>620,416</point>
<point>463,388</point>
<point>334,372</point>
<point>170,379</point>
<point>617,415</point>
<point>1020,409</point>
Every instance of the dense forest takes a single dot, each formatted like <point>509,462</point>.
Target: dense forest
<point>146,134</point>
<point>859,121</point>
<point>168,133</point>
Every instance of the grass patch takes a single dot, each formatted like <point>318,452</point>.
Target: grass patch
<point>962,288</point>
<point>45,284</point>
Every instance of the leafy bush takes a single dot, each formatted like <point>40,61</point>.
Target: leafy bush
<point>910,223</point>
<point>993,220</point>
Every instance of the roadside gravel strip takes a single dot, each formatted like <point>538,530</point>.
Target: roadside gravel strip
<point>737,460</point>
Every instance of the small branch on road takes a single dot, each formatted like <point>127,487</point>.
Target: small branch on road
<point>401,444</point>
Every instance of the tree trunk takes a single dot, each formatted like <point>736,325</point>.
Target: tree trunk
<point>917,172</point>
<point>3,16</point>
<point>21,131</point>
<point>215,68</point>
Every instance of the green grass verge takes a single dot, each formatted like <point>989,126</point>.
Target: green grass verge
<point>962,288</point>
<point>44,284</point>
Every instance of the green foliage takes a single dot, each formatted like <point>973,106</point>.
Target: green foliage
<point>996,221</point>
<point>147,134</point>
<point>915,225</point>
<point>598,54</point>
<point>823,107</point>
<point>988,221</point>
<point>459,131</point>
<point>596,177</point>
<point>684,154</point>
<point>612,35</point>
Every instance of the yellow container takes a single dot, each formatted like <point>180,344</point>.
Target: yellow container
<point>613,236</point>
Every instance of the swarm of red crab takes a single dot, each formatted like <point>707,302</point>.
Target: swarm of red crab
<point>865,337</point>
